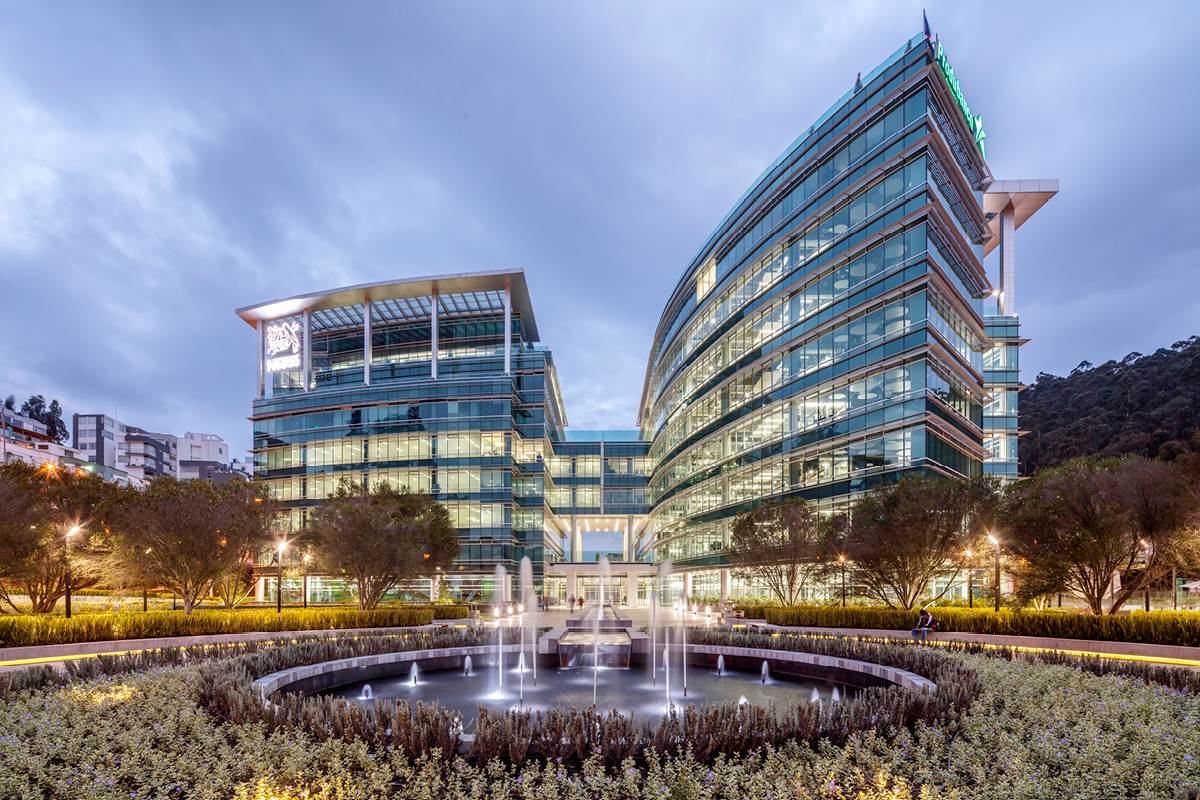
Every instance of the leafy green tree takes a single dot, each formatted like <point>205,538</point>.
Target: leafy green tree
<point>191,537</point>
<point>1075,527</point>
<point>376,538</point>
<point>49,515</point>
<point>778,545</point>
<point>899,537</point>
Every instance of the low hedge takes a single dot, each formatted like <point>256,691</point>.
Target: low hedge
<point>1154,627</point>
<point>17,631</point>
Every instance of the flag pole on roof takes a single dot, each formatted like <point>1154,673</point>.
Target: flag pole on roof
<point>925,20</point>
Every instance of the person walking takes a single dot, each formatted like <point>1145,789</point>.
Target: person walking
<point>571,603</point>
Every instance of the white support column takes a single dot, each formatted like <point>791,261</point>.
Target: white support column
<point>260,589</point>
<point>572,584</point>
<point>507,329</point>
<point>262,378</point>
<point>631,587</point>
<point>434,340</point>
<point>434,588</point>
<point>1008,263</point>
<point>306,359</point>
<point>366,342</point>
<point>687,588</point>
<point>576,543</point>
<point>724,586</point>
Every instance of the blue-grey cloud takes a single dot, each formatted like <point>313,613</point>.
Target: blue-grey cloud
<point>167,162</point>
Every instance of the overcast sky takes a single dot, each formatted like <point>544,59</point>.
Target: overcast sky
<point>164,163</point>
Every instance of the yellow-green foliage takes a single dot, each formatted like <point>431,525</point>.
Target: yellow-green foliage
<point>47,629</point>
<point>1155,627</point>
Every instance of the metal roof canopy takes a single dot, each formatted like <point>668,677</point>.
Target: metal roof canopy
<point>463,294</point>
<point>1025,196</point>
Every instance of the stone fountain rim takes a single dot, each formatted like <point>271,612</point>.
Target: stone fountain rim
<point>268,685</point>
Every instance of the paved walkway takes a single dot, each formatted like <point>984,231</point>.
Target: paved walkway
<point>1128,651</point>
<point>56,655</point>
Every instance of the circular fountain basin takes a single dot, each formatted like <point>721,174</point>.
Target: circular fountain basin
<point>628,691</point>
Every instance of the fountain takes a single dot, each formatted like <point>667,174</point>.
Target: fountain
<point>605,573</point>
<point>765,672</point>
<point>528,602</point>
<point>498,597</point>
<point>467,666</point>
<point>667,663</point>
<point>836,696</point>
<point>815,697</point>
<point>412,675</point>
<point>683,641</point>
<point>720,665</point>
<point>366,693</point>
<point>742,701</point>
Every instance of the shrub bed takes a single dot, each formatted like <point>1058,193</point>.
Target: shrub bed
<point>16,631</point>
<point>1154,627</point>
<point>572,736</point>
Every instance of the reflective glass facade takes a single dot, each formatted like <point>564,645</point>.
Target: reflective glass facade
<point>829,337</point>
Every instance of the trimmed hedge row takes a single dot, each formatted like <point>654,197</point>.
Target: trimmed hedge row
<point>1154,627</point>
<point>17,631</point>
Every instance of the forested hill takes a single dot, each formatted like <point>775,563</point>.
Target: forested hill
<point>1143,404</point>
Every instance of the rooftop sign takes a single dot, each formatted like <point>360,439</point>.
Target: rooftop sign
<point>283,346</point>
<point>973,122</point>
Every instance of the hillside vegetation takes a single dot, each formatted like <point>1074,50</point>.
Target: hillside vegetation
<point>1146,405</point>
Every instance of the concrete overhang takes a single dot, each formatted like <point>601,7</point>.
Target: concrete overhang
<point>460,283</point>
<point>1025,197</point>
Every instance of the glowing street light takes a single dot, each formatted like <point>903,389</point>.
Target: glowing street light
<point>842,567</point>
<point>279,584</point>
<point>74,531</point>
<point>996,543</point>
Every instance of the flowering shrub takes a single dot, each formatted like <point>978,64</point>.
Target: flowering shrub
<point>47,629</point>
<point>1154,627</point>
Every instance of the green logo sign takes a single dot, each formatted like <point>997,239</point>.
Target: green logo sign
<point>973,122</point>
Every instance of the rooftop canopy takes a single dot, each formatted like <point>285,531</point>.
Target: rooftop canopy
<point>1025,197</point>
<point>470,294</point>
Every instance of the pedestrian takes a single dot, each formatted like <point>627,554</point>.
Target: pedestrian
<point>925,623</point>
<point>571,603</point>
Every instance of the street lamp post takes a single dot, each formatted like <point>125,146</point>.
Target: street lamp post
<point>996,543</point>
<point>842,562</point>
<point>74,531</point>
<point>970,578</point>
<point>307,558</point>
<point>279,579</point>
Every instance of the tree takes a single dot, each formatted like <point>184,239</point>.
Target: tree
<point>898,538</point>
<point>192,537</point>
<point>40,506</point>
<point>10,403</point>
<point>380,537</point>
<point>51,416</point>
<point>1076,526</point>
<point>779,545</point>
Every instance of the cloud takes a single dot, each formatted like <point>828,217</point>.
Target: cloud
<point>166,163</point>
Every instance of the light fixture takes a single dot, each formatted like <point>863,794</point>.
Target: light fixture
<point>993,539</point>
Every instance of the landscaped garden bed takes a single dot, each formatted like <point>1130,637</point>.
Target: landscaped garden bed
<point>1154,627</point>
<point>178,723</point>
<point>18,631</point>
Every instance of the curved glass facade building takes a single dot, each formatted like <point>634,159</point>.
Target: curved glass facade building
<point>836,331</point>
<point>829,335</point>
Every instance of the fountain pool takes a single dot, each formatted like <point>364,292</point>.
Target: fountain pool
<point>628,691</point>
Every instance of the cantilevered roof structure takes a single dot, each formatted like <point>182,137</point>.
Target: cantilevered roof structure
<point>468,294</point>
<point>1025,197</point>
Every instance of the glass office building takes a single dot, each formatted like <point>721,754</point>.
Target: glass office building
<point>830,336</point>
<point>836,331</point>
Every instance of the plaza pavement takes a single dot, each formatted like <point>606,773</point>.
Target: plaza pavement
<point>57,655</point>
